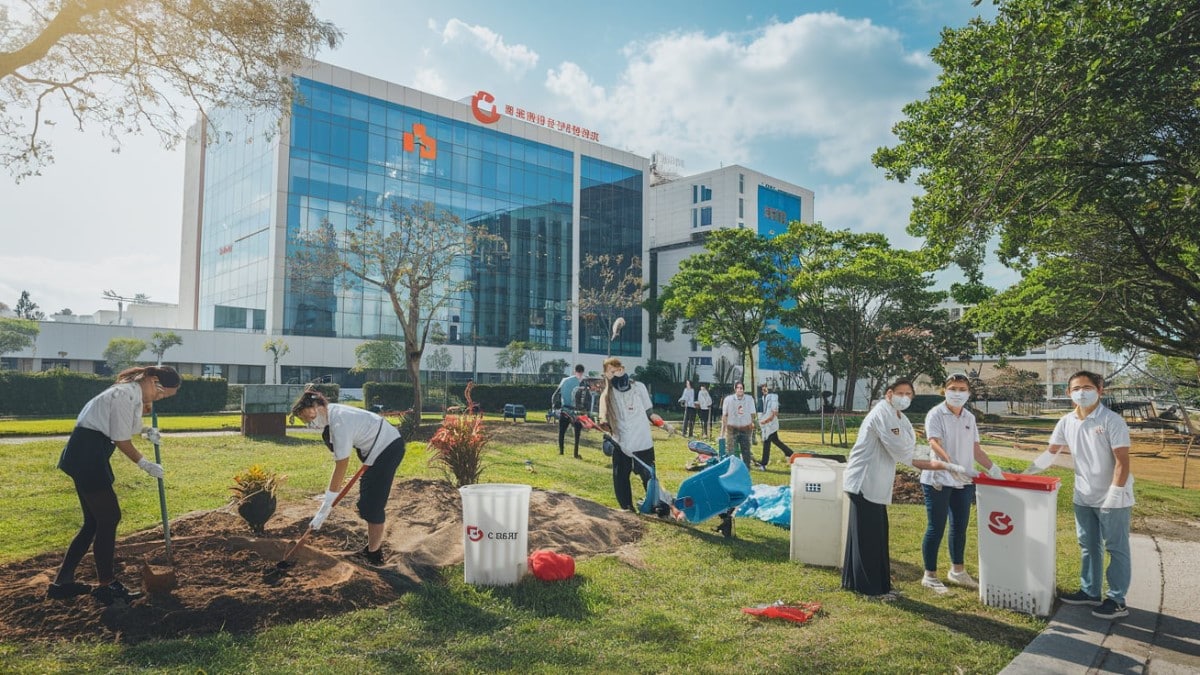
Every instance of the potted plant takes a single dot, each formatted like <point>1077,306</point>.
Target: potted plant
<point>254,493</point>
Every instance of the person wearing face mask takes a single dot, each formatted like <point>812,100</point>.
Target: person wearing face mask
<point>379,447</point>
<point>626,414</point>
<point>737,423</point>
<point>885,438</point>
<point>954,437</point>
<point>1098,440</point>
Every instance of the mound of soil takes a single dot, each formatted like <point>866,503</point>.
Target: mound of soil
<point>228,579</point>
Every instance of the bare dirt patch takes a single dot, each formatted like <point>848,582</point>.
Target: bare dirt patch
<point>223,576</point>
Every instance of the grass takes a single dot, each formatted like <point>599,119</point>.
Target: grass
<point>678,611</point>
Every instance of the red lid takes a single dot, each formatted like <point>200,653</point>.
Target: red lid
<point>1022,481</point>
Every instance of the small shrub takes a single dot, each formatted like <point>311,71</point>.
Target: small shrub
<point>459,446</point>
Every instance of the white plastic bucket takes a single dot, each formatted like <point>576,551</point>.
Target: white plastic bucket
<point>819,512</point>
<point>495,533</point>
<point>1017,535</point>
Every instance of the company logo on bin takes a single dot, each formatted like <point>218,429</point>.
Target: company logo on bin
<point>1000,523</point>
<point>474,533</point>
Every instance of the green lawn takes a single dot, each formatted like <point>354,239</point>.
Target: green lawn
<point>680,611</point>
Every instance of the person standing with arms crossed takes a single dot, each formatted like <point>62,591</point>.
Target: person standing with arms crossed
<point>954,437</point>
<point>737,423</point>
<point>1098,440</point>
<point>566,418</point>
<point>108,422</point>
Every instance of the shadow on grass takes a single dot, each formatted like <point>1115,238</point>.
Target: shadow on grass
<point>974,626</point>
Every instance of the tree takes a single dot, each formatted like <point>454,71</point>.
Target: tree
<point>119,64</point>
<point>65,311</point>
<point>161,341</point>
<point>17,334</point>
<point>414,258</point>
<point>610,287</point>
<point>1067,133</point>
<point>122,353</point>
<point>515,357</point>
<point>279,349</point>
<point>553,370</point>
<point>914,341</point>
<point>28,309</point>
<point>383,356</point>
<point>1015,386</point>
<point>438,361</point>
<point>721,295</point>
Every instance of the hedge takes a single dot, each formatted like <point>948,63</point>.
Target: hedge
<point>490,397</point>
<point>63,392</point>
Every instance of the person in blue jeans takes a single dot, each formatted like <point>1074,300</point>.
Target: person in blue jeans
<point>1098,440</point>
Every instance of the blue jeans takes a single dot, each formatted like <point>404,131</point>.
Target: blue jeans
<point>1101,530</point>
<point>952,502</point>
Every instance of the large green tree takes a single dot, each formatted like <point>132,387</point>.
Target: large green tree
<point>383,356</point>
<point>122,353</point>
<point>1067,133</point>
<point>123,65</point>
<point>17,334</point>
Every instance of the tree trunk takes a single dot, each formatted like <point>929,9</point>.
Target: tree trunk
<point>412,360</point>
<point>851,382</point>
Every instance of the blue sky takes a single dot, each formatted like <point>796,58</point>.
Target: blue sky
<point>804,91</point>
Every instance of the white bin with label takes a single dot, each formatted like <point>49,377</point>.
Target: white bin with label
<point>1018,522</point>
<point>819,512</point>
<point>495,533</point>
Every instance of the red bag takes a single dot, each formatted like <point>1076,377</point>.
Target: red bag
<point>550,566</point>
<point>798,613</point>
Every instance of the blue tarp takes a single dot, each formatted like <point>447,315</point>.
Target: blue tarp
<point>770,503</point>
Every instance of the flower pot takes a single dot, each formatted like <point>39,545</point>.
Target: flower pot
<point>257,509</point>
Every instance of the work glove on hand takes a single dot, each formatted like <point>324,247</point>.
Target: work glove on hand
<point>323,512</point>
<point>155,470</point>
<point>1117,498</point>
<point>1041,463</point>
<point>995,472</point>
<point>959,473</point>
<point>151,434</point>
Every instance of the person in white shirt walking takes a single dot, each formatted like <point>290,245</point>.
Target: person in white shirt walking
<point>1098,440</point>
<point>953,436</point>
<point>768,422</point>
<point>885,439</point>
<point>737,422</point>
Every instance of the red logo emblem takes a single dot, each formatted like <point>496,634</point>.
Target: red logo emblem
<point>1000,523</point>
<point>486,116</point>
<point>474,533</point>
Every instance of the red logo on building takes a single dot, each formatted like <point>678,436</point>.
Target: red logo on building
<point>1000,523</point>
<point>474,533</point>
<point>487,117</point>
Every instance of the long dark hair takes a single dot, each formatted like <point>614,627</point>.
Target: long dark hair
<point>166,375</point>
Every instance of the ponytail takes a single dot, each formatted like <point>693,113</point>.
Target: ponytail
<point>167,377</point>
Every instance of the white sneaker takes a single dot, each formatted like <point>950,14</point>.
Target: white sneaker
<point>962,578</point>
<point>934,584</point>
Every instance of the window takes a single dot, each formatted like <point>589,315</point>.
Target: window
<point>705,194</point>
<point>695,219</point>
<point>741,183</point>
<point>741,208</point>
<point>705,215</point>
<point>695,193</point>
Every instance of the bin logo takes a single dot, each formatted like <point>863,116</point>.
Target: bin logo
<point>474,533</point>
<point>1000,523</point>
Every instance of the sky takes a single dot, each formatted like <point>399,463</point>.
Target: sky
<point>803,91</point>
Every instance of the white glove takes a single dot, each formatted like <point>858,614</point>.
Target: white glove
<point>1117,498</point>
<point>323,512</point>
<point>155,470</point>
<point>1041,463</point>
<point>995,473</point>
<point>959,473</point>
<point>151,434</point>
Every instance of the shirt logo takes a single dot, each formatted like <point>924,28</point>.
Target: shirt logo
<point>896,432</point>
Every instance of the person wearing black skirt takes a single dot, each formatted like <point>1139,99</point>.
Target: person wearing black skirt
<point>885,438</point>
<point>108,422</point>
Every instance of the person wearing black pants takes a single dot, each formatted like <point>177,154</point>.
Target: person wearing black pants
<point>768,422</point>
<point>625,413</point>
<point>566,394</point>
<point>108,422</point>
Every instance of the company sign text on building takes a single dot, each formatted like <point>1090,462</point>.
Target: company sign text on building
<point>483,106</point>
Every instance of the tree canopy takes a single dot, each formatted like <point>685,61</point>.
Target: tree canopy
<point>124,65</point>
<point>122,353</point>
<point>17,334</point>
<point>1068,133</point>
<point>161,341</point>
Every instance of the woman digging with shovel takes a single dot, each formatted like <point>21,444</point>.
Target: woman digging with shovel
<point>108,422</point>
<point>379,447</point>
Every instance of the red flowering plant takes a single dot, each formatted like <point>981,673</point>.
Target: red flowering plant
<point>458,446</point>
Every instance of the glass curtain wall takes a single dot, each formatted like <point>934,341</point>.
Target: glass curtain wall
<point>610,222</point>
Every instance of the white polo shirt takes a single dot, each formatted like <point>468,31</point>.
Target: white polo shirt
<point>351,428</point>
<point>886,438</point>
<point>771,410</point>
<point>115,412</point>
<point>958,435</point>
<point>1091,441</point>
<point>631,427</point>
<point>738,412</point>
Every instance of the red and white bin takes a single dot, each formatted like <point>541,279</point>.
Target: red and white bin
<point>1018,522</point>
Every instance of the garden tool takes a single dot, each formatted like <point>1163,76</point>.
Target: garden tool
<point>284,564</point>
<point>152,581</point>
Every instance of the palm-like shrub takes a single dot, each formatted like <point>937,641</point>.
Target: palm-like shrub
<point>458,446</point>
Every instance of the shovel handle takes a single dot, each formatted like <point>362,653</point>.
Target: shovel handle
<point>338,498</point>
<point>162,493</point>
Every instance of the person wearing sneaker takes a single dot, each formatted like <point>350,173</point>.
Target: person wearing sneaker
<point>737,422</point>
<point>885,439</point>
<point>107,423</point>
<point>1098,440</point>
<point>953,437</point>
<point>378,445</point>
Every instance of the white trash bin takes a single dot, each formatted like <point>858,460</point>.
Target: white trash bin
<point>819,512</point>
<point>495,533</point>
<point>1018,522</point>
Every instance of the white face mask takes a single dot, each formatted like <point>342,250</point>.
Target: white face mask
<point>1085,398</point>
<point>958,398</point>
<point>321,420</point>
<point>900,403</point>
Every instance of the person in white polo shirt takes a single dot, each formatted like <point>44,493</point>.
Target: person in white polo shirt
<point>1098,440</point>
<point>737,423</point>
<point>953,436</point>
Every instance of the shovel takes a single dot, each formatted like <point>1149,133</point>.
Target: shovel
<point>285,564</point>
<point>160,582</point>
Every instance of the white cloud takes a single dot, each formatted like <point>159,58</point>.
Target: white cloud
<point>514,59</point>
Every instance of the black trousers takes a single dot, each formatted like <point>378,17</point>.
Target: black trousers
<point>564,421</point>
<point>101,514</point>
<point>689,420</point>
<point>376,483</point>
<point>867,567</point>
<point>622,466</point>
<point>767,441</point>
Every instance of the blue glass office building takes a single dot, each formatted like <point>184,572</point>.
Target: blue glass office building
<point>352,141</point>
